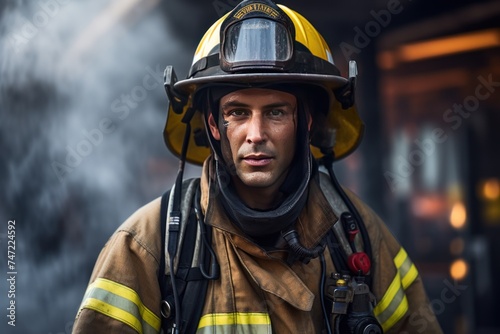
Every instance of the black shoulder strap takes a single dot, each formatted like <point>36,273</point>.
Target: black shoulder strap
<point>191,284</point>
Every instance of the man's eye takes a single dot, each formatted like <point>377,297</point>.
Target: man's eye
<point>276,112</point>
<point>237,112</point>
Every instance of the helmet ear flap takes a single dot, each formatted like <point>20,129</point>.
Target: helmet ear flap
<point>321,135</point>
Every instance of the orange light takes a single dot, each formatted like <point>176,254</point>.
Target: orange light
<point>458,215</point>
<point>459,269</point>
<point>386,60</point>
<point>431,205</point>
<point>449,45</point>
<point>491,189</point>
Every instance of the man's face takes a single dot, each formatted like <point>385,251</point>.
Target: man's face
<point>260,126</point>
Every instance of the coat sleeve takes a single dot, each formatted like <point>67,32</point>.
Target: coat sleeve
<point>124,295</point>
<point>402,303</point>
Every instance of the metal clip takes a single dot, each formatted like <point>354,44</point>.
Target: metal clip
<point>339,291</point>
<point>165,309</point>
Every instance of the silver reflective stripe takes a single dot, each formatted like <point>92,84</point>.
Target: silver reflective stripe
<point>232,329</point>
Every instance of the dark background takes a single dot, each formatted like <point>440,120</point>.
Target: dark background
<point>82,109</point>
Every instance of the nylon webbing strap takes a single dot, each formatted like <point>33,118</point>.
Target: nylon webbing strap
<point>188,193</point>
<point>162,278</point>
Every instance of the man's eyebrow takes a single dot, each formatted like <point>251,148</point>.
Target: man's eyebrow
<point>230,104</point>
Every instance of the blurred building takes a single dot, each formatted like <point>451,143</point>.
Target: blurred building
<point>440,93</point>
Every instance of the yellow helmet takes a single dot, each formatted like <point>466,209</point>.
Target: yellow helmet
<point>261,43</point>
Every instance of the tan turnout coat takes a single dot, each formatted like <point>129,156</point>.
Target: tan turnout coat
<point>257,291</point>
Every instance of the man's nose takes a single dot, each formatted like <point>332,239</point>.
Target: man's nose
<point>256,132</point>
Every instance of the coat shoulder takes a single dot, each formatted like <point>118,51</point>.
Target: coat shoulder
<point>144,226</point>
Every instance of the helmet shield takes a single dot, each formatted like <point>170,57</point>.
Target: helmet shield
<point>256,35</point>
<point>256,42</point>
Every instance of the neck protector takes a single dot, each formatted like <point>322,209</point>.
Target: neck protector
<point>256,223</point>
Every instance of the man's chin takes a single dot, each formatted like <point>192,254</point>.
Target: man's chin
<point>257,179</point>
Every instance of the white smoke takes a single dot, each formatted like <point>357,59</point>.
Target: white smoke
<point>82,109</point>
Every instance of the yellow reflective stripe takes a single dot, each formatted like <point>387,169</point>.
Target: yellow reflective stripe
<point>407,270</point>
<point>389,296</point>
<point>129,294</point>
<point>219,319</point>
<point>398,313</point>
<point>392,306</point>
<point>400,258</point>
<point>115,299</point>
<point>394,303</point>
<point>113,312</point>
<point>241,323</point>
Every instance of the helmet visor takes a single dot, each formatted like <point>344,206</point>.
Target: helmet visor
<point>257,41</point>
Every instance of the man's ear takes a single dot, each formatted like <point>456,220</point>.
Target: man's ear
<point>213,127</point>
<point>309,120</point>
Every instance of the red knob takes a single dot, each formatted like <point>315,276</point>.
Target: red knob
<point>359,261</point>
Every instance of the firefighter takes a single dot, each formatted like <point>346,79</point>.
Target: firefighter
<point>290,251</point>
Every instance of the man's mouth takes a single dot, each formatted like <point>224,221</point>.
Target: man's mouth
<point>257,160</point>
